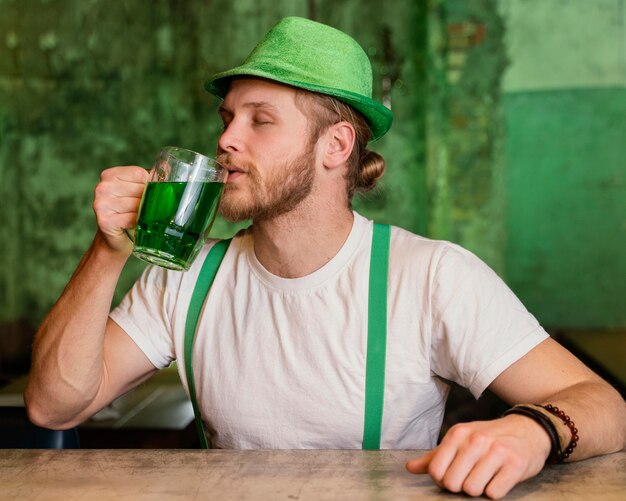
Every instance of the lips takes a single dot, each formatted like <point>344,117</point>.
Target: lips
<point>233,172</point>
<point>233,168</point>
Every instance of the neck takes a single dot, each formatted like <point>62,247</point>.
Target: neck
<point>300,242</point>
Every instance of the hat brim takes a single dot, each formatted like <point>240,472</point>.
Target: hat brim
<point>378,116</point>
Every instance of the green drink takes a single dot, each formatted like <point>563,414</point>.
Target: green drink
<point>174,219</point>
<point>178,207</point>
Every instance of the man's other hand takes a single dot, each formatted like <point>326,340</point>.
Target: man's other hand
<point>486,457</point>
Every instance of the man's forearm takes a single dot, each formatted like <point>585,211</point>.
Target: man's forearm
<point>599,414</point>
<point>490,457</point>
<point>67,363</point>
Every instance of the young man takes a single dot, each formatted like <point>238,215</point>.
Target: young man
<point>281,350</point>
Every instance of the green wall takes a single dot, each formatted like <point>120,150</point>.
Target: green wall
<point>564,95</point>
<point>525,149</point>
<point>508,134</point>
<point>567,204</point>
<point>465,129</point>
<point>88,85</point>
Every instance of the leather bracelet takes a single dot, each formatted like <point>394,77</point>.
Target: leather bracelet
<point>546,424</point>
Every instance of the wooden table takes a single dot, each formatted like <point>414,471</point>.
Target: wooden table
<point>277,475</point>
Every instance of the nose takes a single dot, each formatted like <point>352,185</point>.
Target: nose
<point>230,140</point>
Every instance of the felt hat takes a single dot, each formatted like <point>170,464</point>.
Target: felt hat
<point>316,57</point>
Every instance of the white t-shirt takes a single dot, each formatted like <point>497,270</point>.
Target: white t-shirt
<point>280,363</point>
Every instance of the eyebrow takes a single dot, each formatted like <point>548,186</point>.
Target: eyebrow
<point>251,104</point>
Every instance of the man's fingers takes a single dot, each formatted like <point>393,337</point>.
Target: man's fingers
<point>419,465</point>
<point>483,472</point>
<point>464,461</point>
<point>483,457</point>
<point>435,463</point>
<point>127,173</point>
<point>487,476</point>
<point>119,222</point>
<point>134,190</point>
<point>119,192</point>
<point>118,205</point>
<point>122,182</point>
<point>503,481</point>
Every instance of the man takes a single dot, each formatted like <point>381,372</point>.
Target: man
<point>282,343</point>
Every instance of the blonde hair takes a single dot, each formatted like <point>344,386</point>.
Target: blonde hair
<point>365,167</point>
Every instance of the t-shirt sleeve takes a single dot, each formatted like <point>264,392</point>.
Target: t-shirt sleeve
<point>479,327</point>
<point>145,314</point>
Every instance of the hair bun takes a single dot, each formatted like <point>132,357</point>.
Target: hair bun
<point>371,170</point>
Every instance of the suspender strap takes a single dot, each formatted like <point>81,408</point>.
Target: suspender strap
<point>376,333</point>
<point>376,337</point>
<point>203,284</point>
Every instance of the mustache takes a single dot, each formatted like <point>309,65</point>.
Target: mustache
<point>234,164</point>
<point>231,163</point>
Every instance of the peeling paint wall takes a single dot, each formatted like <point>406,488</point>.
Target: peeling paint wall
<point>508,134</point>
<point>465,127</point>
<point>85,85</point>
<point>526,127</point>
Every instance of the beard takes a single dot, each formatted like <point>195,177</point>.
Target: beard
<point>278,194</point>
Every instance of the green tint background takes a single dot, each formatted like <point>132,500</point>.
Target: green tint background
<point>567,205</point>
<point>88,85</point>
<point>508,138</point>
<point>564,102</point>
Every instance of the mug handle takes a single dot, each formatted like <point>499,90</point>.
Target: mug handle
<point>130,234</point>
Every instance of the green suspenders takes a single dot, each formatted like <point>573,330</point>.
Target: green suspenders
<point>376,332</point>
<point>200,291</point>
<point>376,338</point>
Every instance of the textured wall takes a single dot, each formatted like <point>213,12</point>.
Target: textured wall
<point>525,148</point>
<point>567,205</point>
<point>465,127</point>
<point>565,107</point>
<point>89,84</point>
<point>508,137</point>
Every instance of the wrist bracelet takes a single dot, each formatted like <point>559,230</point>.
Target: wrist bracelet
<point>562,447</point>
<point>545,423</point>
<point>566,451</point>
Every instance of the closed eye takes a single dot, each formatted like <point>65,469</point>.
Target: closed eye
<point>261,119</point>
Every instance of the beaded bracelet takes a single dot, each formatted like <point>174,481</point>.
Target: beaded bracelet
<point>555,411</point>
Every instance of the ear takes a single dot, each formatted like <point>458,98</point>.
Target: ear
<point>339,142</point>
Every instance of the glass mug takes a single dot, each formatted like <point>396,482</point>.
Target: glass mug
<point>178,207</point>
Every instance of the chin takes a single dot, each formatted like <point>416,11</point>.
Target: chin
<point>233,219</point>
<point>233,213</point>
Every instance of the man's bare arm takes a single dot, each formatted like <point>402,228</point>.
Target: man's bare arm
<point>596,407</point>
<point>490,457</point>
<point>81,359</point>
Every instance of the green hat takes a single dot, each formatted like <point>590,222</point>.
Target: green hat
<point>312,56</point>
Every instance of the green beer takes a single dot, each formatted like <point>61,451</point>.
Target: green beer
<point>174,218</point>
